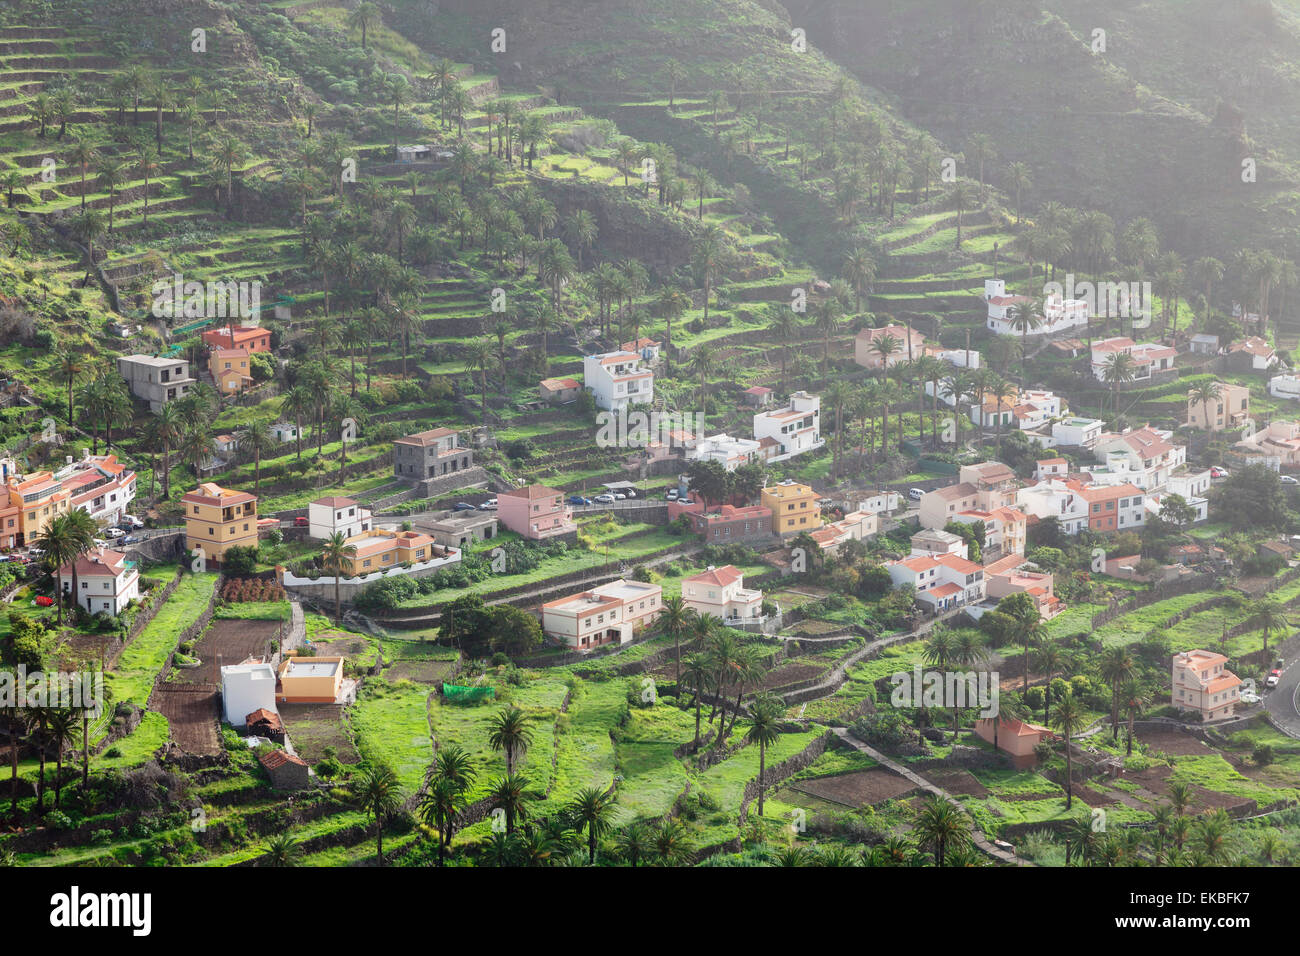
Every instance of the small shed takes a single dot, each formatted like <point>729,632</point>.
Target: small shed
<point>265,723</point>
<point>759,396</point>
<point>1204,344</point>
<point>287,772</point>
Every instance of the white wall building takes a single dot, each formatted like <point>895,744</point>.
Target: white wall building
<point>618,380</point>
<point>882,502</point>
<point>99,485</point>
<point>721,593</point>
<point>246,688</point>
<point>1059,314</point>
<point>1147,358</point>
<point>795,428</point>
<point>730,452</point>
<point>328,516</point>
<point>1053,498</point>
<point>611,613</point>
<point>106,581</point>
<point>1285,386</point>
<point>942,581</point>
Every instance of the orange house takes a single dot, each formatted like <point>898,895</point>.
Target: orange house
<point>1015,737</point>
<point>250,338</point>
<point>230,370</point>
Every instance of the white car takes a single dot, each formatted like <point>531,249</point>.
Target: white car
<point>672,494</point>
<point>604,499</point>
<point>115,533</point>
<point>100,543</point>
<point>489,505</point>
<point>916,494</point>
<point>133,521</point>
<point>619,497</point>
<point>1288,480</point>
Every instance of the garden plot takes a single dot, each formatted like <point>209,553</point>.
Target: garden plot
<point>314,727</point>
<point>227,642</point>
<point>1174,743</point>
<point>858,789</point>
<point>192,711</point>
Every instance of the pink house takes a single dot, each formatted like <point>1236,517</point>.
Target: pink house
<point>536,512</point>
<point>1015,737</point>
<point>1202,683</point>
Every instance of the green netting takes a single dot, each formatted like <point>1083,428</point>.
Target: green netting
<point>459,693</point>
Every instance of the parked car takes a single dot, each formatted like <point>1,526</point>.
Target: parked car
<point>1274,676</point>
<point>579,500</point>
<point>301,522</point>
<point>1279,663</point>
<point>464,506</point>
<point>36,552</point>
<point>100,542</point>
<point>631,492</point>
<point>132,521</point>
<point>1288,480</point>
<point>605,499</point>
<point>489,505</point>
<point>43,601</point>
<point>916,494</point>
<point>131,539</point>
<point>618,496</point>
<point>115,533</point>
<point>672,494</point>
<point>1218,471</point>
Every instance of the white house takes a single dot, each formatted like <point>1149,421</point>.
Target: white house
<point>106,581</point>
<point>1054,498</point>
<point>721,593</point>
<point>1285,386</point>
<point>1255,353</point>
<point>617,380</point>
<point>1059,314</point>
<point>1076,432</point>
<point>936,541</point>
<point>1154,503</point>
<point>648,349</point>
<point>942,581</point>
<point>792,429</point>
<point>99,485</point>
<point>1147,358</point>
<point>881,502</point>
<point>607,614</point>
<point>730,452</point>
<point>1145,456</point>
<point>328,516</point>
<point>246,688</point>
<point>284,432</point>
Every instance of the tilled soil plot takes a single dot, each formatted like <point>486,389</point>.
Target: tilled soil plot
<point>857,789</point>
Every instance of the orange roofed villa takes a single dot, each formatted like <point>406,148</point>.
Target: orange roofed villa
<point>1203,684</point>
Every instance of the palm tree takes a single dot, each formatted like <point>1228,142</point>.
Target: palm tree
<point>336,559</point>
<point>1069,717</point>
<point>83,156</point>
<point>282,849</point>
<point>256,439</point>
<point>1118,371</point>
<point>702,362</point>
<point>670,841</point>
<point>1134,702</point>
<point>1203,394</point>
<point>766,713</point>
<point>62,543</point>
<point>591,810</point>
<point>634,842</point>
<point>510,730</point>
<point>478,357</point>
<point>708,261</point>
<point>439,807</point>
<point>860,270</point>
<point>675,618</point>
<point>297,404</point>
<point>1116,668</point>
<point>962,198</point>
<point>940,827</point>
<point>111,174</point>
<point>1025,317</point>
<point>12,181</point>
<point>59,725</point>
<point>509,794</point>
<point>1051,660</point>
<point>380,795</point>
<point>1268,615</point>
<point>696,675</point>
<point>1019,179</point>
<point>582,231</point>
<point>69,366</point>
<point>365,16</point>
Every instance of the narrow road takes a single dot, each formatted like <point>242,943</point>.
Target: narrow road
<point>977,835</point>
<point>1283,702</point>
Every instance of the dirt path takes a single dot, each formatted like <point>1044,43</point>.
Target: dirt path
<point>981,841</point>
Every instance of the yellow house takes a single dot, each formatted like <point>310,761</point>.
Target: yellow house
<point>217,519</point>
<point>41,500</point>
<point>309,680</point>
<point>230,370</point>
<point>794,508</point>
<point>379,550</point>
